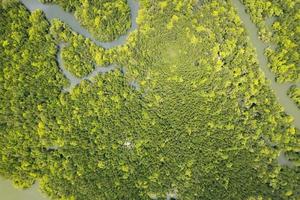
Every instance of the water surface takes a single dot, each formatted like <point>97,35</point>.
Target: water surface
<point>279,89</point>
<point>54,11</point>
<point>73,80</point>
<point>8,192</point>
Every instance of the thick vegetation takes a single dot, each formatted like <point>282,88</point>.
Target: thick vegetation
<point>105,19</point>
<point>29,80</point>
<point>200,122</point>
<point>284,33</point>
<point>80,56</point>
<point>294,93</point>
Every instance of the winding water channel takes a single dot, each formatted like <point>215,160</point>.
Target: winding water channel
<point>7,191</point>
<point>75,80</point>
<point>280,89</point>
<point>53,11</point>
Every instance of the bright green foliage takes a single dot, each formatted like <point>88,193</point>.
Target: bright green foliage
<point>284,33</point>
<point>199,126</point>
<point>80,56</point>
<point>29,79</point>
<point>294,93</point>
<point>77,60</point>
<point>105,19</point>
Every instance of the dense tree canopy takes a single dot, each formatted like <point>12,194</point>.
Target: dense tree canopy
<point>284,33</point>
<point>186,113</point>
<point>80,56</point>
<point>29,80</point>
<point>294,93</point>
<point>105,19</point>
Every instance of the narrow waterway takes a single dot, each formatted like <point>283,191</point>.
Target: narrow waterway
<point>7,191</point>
<point>54,11</point>
<point>73,80</point>
<point>280,89</point>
